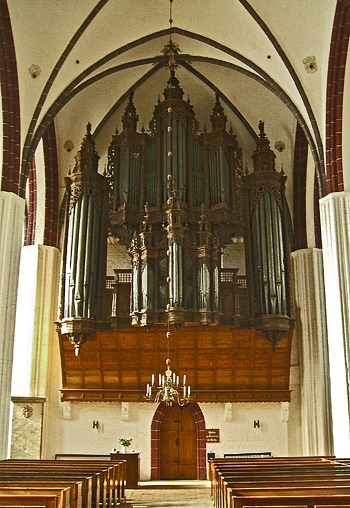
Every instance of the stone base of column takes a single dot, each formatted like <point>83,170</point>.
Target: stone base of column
<point>27,427</point>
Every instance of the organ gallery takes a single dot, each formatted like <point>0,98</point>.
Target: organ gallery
<point>176,199</point>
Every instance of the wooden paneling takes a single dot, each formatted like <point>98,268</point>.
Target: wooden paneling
<point>221,364</point>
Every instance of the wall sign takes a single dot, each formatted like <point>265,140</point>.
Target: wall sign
<point>212,435</point>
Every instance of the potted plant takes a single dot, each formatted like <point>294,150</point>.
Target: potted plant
<point>125,443</point>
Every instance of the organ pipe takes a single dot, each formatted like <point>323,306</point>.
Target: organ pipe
<point>267,249</point>
<point>84,257</point>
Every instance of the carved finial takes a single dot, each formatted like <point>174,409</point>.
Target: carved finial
<point>171,50</point>
<point>105,170</point>
<point>263,157</point>
<point>282,171</point>
<point>69,170</point>
<point>203,223</point>
<point>143,128</point>
<point>130,117</point>
<point>173,184</point>
<point>246,169</point>
<point>173,89</point>
<point>261,127</point>
<point>88,142</point>
<point>218,118</point>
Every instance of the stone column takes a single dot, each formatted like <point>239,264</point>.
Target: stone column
<point>11,230</point>
<point>311,332</point>
<point>335,226</point>
<point>36,313</point>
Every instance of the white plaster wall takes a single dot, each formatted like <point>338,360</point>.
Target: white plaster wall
<point>117,258</point>
<point>240,436</point>
<point>70,428</point>
<point>41,192</point>
<point>233,255</point>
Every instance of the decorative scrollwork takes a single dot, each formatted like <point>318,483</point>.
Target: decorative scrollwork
<point>259,191</point>
<point>75,193</point>
<point>78,190</point>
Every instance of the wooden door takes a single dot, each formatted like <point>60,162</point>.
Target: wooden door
<point>178,445</point>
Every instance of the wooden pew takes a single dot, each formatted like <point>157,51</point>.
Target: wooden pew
<point>284,479</point>
<point>223,465</point>
<point>295,501</point>
<point>48,498</point>
<point>121,464</point>
<point>301,475</point>
<point>76,498</point>
<point>278,481</point>
<point>49,478</point>
<point>108,477</point>
<point>287,487</point>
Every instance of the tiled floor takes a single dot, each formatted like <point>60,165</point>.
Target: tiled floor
<point>167,494</point>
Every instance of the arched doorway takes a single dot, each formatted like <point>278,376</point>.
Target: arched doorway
<point>156,428</point>
<point>178,445</point>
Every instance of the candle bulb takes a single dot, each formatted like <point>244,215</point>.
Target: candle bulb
<point>184,379</point>
<point>173,377</point>
<point>177,380</point>
<point>184,391</point>
<point>160,380</point>
<point>147,390</point>
<point>163,381</point>
<point>189,391</point>
<point>152,379</point>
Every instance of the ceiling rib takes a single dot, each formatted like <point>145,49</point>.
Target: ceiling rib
<point>72,89</point>
<point>62,59</point>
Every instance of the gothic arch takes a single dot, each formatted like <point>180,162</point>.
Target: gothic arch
<point>10,105</point>
<point>335,96</point>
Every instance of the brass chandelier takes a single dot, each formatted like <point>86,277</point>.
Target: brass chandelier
<point>168,390</point>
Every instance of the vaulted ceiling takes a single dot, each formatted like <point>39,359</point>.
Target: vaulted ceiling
<point>77,61</point>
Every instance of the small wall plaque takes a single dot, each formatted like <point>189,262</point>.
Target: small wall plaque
<point>212,435</point>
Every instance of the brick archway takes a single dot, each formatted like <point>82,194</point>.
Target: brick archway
<point>201,444</point>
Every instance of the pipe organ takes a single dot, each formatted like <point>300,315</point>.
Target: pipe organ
<point>177,197</point>
<point>267,243</point>
<point>185,189</point>
<point>84,253</point>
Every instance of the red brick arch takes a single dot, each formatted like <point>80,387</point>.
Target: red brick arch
<point>335,96</point>
<point>201,444</point>
<point>10,105</point>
